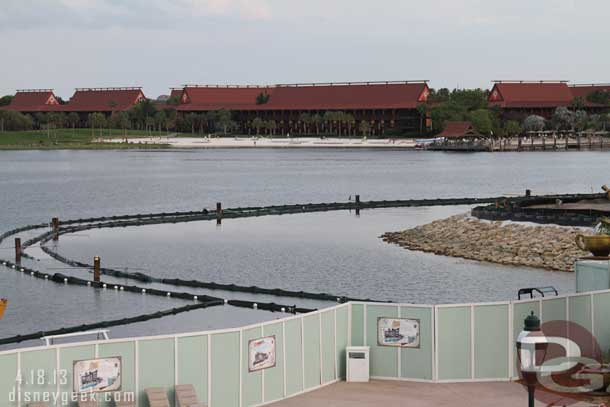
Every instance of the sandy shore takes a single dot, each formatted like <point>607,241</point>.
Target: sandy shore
<point>548,247</point>
<point>251,142</point>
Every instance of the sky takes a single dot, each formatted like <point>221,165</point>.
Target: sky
<point>158,44</point>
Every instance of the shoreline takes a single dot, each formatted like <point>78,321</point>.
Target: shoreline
<point>261,142</point>
<point>548,247</point>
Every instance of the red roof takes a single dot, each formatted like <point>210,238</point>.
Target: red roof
<point>307,97</point>
<point>103,99</point>
<point>530,94</point>
<point>33,101</point>
<point>583,91</point>
<point>458,130</point>
<point>176,92</point>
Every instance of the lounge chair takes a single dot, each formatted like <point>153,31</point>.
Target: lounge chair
<point>157,397</point>
<point>124,402</point>
<point>187,397</point>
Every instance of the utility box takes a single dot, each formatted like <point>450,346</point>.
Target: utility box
<point>357,363</point>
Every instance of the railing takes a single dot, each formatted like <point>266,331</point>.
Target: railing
<point>458,342</point>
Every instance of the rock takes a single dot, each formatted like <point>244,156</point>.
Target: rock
<point>549,247</point>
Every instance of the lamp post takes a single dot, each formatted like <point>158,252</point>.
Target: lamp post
<point>531,351</point>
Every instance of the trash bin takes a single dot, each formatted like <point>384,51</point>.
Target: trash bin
<point>357,363</point>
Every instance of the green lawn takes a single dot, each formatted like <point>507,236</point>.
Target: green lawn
<point>71,138</point>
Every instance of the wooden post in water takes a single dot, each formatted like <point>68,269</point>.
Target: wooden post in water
<point>17,250</point>
<point>357,199</point>
<point>96,269</point>
<point>55,223</point>
<point>218,213</point>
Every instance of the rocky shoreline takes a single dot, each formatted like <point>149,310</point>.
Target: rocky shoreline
<point>548,247</point>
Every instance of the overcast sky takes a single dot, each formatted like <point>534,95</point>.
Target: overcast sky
<point>157,44</point>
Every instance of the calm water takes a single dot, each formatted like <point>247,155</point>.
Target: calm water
<point>336,252</point>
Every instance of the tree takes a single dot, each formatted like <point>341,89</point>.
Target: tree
<point>328,119</point>
<point>97,120</point>
<point>351,121</point>
<point>512,128</point>
<point>262,98</point>
<point>601,97</point>
<point>141,112</point>
<point>534,123</point>
<point>191,120</point>
<point>223,119</point>
<point>317,120</point>
<point>422,109</point>
<point>72,119</point>
<point>15,121</point>
<point>305,119</point>
<point>258,124</point>
<point>364,127</point>
<point>271,126</point>
<point>581,120</point>
<point>481,121</point>
<point>120,120</point>
<point>6,100</point>
<point>160,118</point>
<point>173,100</point>
<point>563,119</point>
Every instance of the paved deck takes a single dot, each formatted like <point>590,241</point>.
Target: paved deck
<point>382,393</point>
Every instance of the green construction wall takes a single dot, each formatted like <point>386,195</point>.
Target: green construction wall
<point>454,343</point>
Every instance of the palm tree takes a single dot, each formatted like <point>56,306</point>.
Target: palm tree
<point>305,118</point>
<point>317,120</point>
<point>350,120</point>
<point>223,117</point>
<point>271,125</point>
<point>258,124</point>
<point>365,127</point>
<point>73,119</point>
<point>328,119</point>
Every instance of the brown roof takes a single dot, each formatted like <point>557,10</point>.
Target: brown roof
<point>530,94</point>
<point>36,100</point>
<point>583,91</point>
<point>458,130</point>
<point>103,99</point>
<point>344,96</point>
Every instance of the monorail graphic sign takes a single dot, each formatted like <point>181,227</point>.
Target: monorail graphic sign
<point>261,353</point>
<point>399,332</point>
<point>97,375</point>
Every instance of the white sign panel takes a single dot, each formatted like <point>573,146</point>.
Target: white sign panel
<point>261,353</point>
<point>402,332</point>
<point>97,375</point>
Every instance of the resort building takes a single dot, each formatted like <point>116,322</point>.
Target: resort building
<point>593,98</point>
<point>33,101</point>
<point>84,100</point>
<point>519,98</point>
<point>300,108</point>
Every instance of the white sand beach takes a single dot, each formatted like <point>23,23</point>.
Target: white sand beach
<point>263,142</point>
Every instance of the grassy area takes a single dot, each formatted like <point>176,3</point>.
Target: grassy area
<point>72,139</point>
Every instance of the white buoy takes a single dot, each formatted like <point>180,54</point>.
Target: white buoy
<point>116,287</point>
<point>65,280</point>
<point>31,273</point>
<point>103,285</point>
<point>143,290</point>
<point>195,298</point>
<point>121,288</point>
<point>88,283</point>
<point>283,309</point>
<point>22,270</point>
<point>13,266</point>
<point>169,294</point>
<point>255,305</point>
<point>46,276</point>
<point>226,301</point>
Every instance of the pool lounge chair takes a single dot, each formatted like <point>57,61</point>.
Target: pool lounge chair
<point>124,402</point>
<point>187,397</point>
<point>157,397</point>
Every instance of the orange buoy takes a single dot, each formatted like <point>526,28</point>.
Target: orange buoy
<point>3,303</point>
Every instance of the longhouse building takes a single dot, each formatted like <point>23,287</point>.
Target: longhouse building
<point>298,107</point>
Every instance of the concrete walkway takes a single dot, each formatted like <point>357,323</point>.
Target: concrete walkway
<point>382,393</point>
